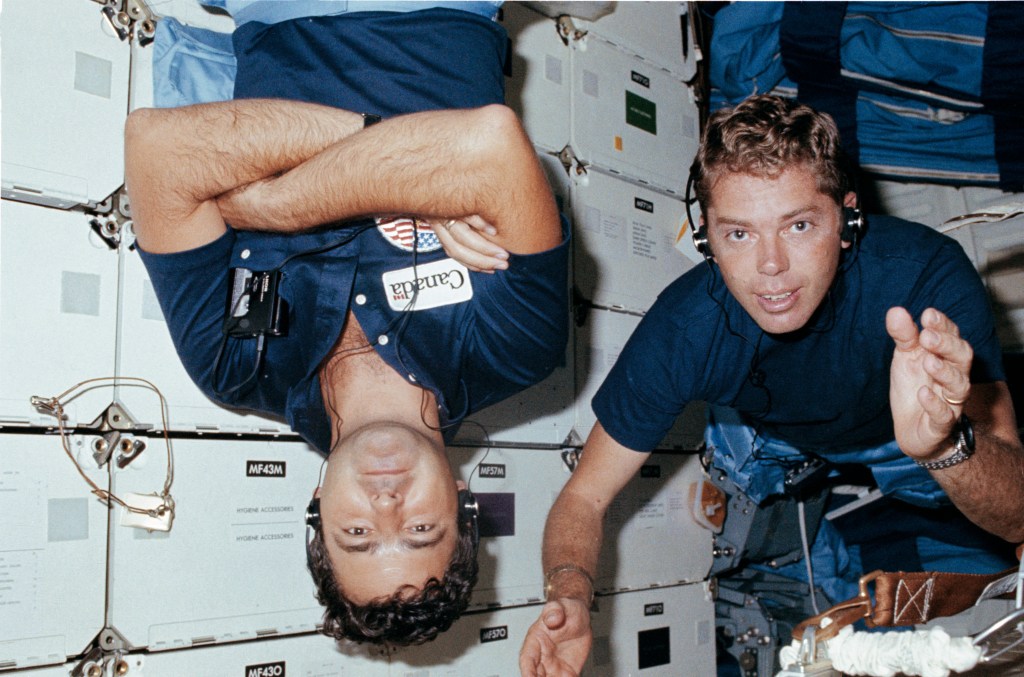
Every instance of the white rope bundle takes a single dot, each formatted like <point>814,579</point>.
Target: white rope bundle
<point>921,653</point>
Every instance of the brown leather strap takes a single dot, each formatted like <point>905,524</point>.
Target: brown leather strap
<point>903,598</point>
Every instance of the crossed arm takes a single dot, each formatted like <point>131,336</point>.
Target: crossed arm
<point>289,166</point>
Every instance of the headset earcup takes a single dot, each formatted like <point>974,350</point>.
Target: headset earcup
<point>469,513</point>
<point>853,224</point>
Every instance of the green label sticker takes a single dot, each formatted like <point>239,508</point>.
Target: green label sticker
<point>641,113</point>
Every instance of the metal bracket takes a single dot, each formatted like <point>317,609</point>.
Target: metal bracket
<point>571,458</point>
<point>93,664</point>
<point>567,156</point>
<point>114,427</point>
<point>130,20</point>
<point>110,217</point>
<point>567,30</point>
<point>110,640</point>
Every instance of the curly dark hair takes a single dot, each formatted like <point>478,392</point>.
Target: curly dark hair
<point>396,621</point>
<point>766,134</point>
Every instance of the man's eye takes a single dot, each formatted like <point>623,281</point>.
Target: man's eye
<point>356,531</point>
<point>422,528</point>
<point>737,235</point>
<point>801,226</point>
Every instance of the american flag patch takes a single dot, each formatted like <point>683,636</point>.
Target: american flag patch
<point>403,232</point>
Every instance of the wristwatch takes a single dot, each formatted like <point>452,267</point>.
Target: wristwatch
<point>963,449</point>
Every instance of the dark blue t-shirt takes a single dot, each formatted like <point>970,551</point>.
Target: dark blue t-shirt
<point>510,334</point>
<point>824,387</point>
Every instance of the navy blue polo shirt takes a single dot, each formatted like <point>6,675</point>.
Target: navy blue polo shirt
<point>823,388</point>
<point>509,334</point>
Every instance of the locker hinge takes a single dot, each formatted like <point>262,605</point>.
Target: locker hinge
<point>568,30</point>
<point>130,20</point>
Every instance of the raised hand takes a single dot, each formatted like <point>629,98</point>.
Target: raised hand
<point>929,381</point>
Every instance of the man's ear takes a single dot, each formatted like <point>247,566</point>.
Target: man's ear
<point>316,493</point>
<point>850,200</point>
<point>460,485</point>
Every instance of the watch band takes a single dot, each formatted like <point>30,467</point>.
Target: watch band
<point>370,119</point>
<point>963,449</point>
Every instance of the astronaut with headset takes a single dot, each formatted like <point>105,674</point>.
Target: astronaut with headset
<point>371,259</point>
<point>800,336</point>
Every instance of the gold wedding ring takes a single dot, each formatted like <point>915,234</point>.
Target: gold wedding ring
<point>448,224</point>
<point>954,403</point>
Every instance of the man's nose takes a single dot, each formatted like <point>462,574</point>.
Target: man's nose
<point>387,498</point>
<point>771,256</point>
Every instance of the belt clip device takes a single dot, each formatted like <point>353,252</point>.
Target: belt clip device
<point>255,308</point>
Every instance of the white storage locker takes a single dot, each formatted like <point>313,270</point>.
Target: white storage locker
<point>664,631</point>
<point>997,250</point>
<point>146,352</point>
<point>632,118</point>
<point>310,655</point>
<point>65,97</point>
<point>53,550</point>
<point>650,536</point>
<point>233,565</point>
<point>58,312</point>
<point>515,489</point>
<point>480,644</point>
<point>659,32</point>
<point>626,249</point>
<point>539,89</point>
<point>599,343</point>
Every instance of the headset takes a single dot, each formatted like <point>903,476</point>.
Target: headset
<point>854,224</point>
<point>469,514</point>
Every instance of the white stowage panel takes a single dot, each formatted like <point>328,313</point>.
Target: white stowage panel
<point>480,644</point>
<point>539,87</point>
<point>932,204</point>
<point>997,250</point>
<point>664,631</point>
<point>58,312</point>
<point>653,515</point>
<point>515,488</point>
<point>630,117</point>
<point>52,550</point>
<point>65,97</point>
<point>626,237</point>
<point>927,203</point>
<point>233,566</point>
<point>599,343</point>
<point>657,31</point>
<point>147,352</point>
<point>309,655</point>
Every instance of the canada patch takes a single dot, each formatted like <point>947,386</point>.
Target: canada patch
<point>408,234</point>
